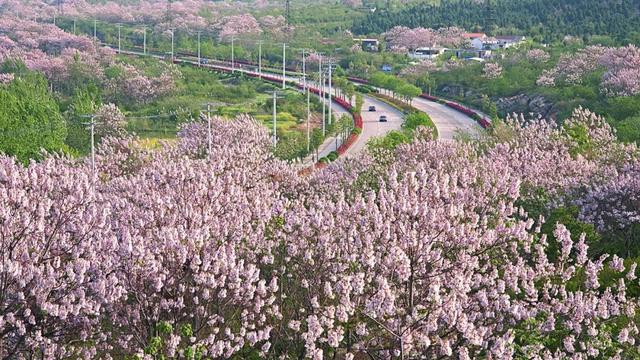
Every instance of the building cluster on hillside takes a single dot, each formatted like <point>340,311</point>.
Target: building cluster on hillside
<point>481,46</point>
<point>371,45</point>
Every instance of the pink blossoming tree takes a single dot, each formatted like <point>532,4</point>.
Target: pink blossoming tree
<point>621,74</point>
<point>186,252</point>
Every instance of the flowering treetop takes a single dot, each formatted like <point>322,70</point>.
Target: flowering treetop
<point>621,69</point>
<point>237,25</point>
<point>492,70</point>
<point>401,38</point>
<point>182,251</point>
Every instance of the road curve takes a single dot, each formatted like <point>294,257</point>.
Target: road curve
<point>448,121</point>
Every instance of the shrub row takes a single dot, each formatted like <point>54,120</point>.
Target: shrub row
<point>332,156</point>
<point>365,89</point>
<point>397,103</point>
<point>358,124</point>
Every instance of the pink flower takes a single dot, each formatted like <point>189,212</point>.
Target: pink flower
<point>6,78</point>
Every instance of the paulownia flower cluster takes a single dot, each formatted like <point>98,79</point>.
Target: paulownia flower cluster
<point>181,252</point>
<point>621,68</point>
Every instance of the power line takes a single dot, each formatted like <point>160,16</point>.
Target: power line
<point>123,37</point>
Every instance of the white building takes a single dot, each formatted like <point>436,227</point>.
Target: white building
<point>369,44</point>
<point>427,52</point>
<point>486,43</point>
<point>470,53</point>
<point>473,36</point>
<point>483,42</point>
<point>507,41</point>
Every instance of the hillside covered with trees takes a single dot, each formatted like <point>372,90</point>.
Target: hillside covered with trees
<point>547,20</point>
<point>164,198</point>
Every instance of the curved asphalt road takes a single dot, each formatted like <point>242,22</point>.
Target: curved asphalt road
<point>448,121</point>
<point>372,127</point>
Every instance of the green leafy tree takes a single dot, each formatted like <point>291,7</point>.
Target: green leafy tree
<point>379,79</point>
<point>80,76</point>
<point>382,149</point>
<point>548,20</point>
<point>345,126</point>
<point>30,119</point>
<point>359,103</point>
<point>408,92</point>
<point>629,129</point>
<point>416,119</point>
<point>78,137</point>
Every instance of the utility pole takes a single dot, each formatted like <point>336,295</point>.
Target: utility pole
<point>144,40</point>
<point>275,130</point>
<point>322,95</point>
<point>330,90</point>
<point>74,26</point>
<point>173,30</point>
<point>260,57</point>
<point>304,71</point>
<point>308,120</point>
<point>275,138</point>
<point>233,60</point>
<point>207,107</point>
<point>306,88</point>
<point>93,146</point>
<point>95,30</point>
<point>284,69</point>
<point>199,61</point>
<point>92,125</point>
<point>119,42</point>
<point>209,138</point>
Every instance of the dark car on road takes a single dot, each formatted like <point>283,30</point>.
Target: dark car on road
<point>372,108</point>
<point>383,118</point>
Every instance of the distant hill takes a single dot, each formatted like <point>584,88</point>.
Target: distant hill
<point>547,19</point>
